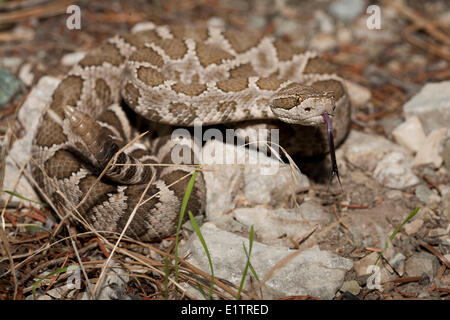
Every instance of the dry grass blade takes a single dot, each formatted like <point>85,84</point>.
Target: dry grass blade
<point>133,213</point>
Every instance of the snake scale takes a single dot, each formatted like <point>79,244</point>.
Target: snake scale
<point>173,75</point>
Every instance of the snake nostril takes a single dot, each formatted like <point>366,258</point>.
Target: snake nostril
<point>307,109</point>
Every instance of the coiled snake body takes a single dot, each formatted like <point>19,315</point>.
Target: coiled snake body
<point>179,76</point>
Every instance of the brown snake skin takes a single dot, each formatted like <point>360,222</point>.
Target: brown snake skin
<point>173,75</point>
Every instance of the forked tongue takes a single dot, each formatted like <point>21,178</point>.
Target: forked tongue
<point>334,170</point>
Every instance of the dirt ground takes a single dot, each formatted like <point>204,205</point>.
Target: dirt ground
<point>391,65</point>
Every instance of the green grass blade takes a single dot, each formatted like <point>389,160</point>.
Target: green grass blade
<point>62,270</point>
<point>166,278</point>
<point>187,194</point>
<point>252,269</point>
<point>24,198</point>
<point>409,217</point>
<point>37,228</point>
<point>248,264</point>
<point>199,287</point>
<point>205,247</point>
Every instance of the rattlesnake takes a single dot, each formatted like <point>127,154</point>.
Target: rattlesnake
<point>179,76</point>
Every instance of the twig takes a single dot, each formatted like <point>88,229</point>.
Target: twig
<point>419,21</point>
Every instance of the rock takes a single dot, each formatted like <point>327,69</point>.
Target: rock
<point>446,153</point>
<point>347,9</point>
<point>432,148</point>
<point>389,163</point>
<point>398,263</point>
<point>359,95</point>
<point>438,232</point>
<point>20,151</point>
<point>431,105</point>
<point>263,182</point>
<point>26,75</point>
<point>323,42</point>
<point>413,226</point>
<point>113,286</point>
<point>312,271</point>
<point>423,193</point>
<point>351,286</point>
<point>390,123</point>
<point>366,150</point>
<point>114,283</point>
<point>281,226</point>
<point>420,263</point>
<point>395,171</point>
<point>10,87</point>
<point>410,134</point>
<point>362,267</point>
<point>326,24</point>
<point>428,196</point>
<point>73,58</point>
<point>344,36</point>
<point>11,63</point>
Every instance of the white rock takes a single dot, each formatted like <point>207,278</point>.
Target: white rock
<point>389,163</point>
<point>359,95</point>
<point>113,285</point>
<point>362,267</point>
<point>410,134</point>
<point>11,63</point>
<point>395,171</point>
<point>413,226</point>
<point>142,26</point>
<point>26,75</point>
<point>366,150</point>
<point>347,9</point>
<point>312,271</point>
<point>250,176</point>
<point>431,105</point>
<point>323,42</point>
<point>279,226</point>
<point>431,150</point>
<point>20,151</point>
<point>73,58</point>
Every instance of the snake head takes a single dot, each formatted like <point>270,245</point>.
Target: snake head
<point>300,104</point>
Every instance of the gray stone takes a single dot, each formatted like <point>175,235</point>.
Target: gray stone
<point>432,148</point>
<point>395,171</point>
<point>362,267</point>
<point>410,134</point>
<point>114,283</point>
<point>366,150</point>
<point>10,87</point>
<point>11,63</point>
<point>431,105</point>
<point>352,287</point>
<point>359,95</point>
<point>251,178</point>
<point>422,263</point>
<point>446,153</point>
<point>312,271</point>
<point>413,227</point>
<point>398,263</point>
<point>425,194</point>
<point>389,163</point>
<point>282,226</point>
<point>347,9</point>
<point>73,58</point>
<point>25,74</point>
<point>323,42</point>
